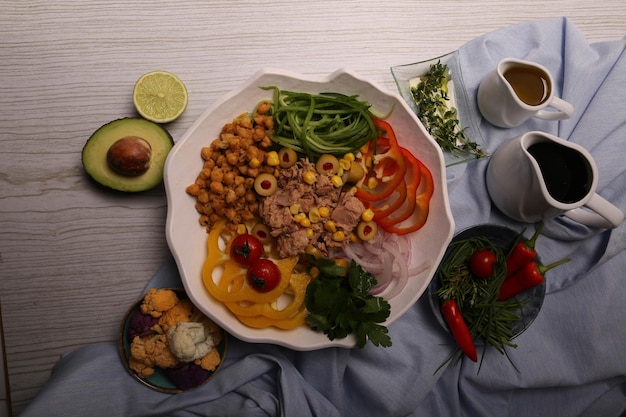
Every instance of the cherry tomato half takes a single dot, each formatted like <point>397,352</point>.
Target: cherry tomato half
<point>481,263</point>
<point>263,275</point>
<point>246,249</point>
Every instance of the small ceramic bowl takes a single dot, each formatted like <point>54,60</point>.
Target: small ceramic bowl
<point>504,238</point>
<point>159,380</point>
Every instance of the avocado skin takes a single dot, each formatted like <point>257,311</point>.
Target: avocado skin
<point>94,153</point>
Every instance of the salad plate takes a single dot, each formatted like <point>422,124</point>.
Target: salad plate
<point>504,238</point>
<point>409,76</point>
<point>187,239</point>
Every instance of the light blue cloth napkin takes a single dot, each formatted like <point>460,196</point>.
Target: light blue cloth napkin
<point>571,361</point>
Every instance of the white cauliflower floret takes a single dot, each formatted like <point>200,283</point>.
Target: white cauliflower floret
<point>189,341</point>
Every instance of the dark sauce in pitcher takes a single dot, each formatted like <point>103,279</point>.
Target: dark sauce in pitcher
<point>566,173</point>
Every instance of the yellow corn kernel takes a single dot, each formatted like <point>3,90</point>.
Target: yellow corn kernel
<point>314,215</point>
<point>294,209</point>
<point>312,250</point>
<point>367,215</point>
<point>339,236</point>
<point>336,181</point>
<point>304,221</point>
<point>329,226</point>
<point>345,164</point>
<point>254,163</point>
<point>340,171</point>
<point>352,190</point>
<point>349,156</point>
<point>372,183</point>
<point>324,211</point>
<point>354,238</point>
<point>298,217</point>
<point>309,177</point>
<point>272,158</point>
<point>315,272</point>
<point>242,229</point>
<point>309,233</point>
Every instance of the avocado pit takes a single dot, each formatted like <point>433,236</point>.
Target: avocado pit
<point>127,154</point>
<point>130,156</point>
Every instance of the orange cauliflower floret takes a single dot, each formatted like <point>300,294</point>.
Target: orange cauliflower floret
<point>140,367</point>
<point>181,312</point>
<point>156,301</point>
<point>210,360</point>
<point>151,351</point>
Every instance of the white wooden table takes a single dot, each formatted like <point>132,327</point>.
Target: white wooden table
<point>72,256</point>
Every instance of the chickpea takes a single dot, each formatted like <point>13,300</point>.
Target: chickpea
<point>206,153</point>
<point>240,190</point>
<point>217,175</point>
<point>232,159</point>
<point>193,189</point>
<point>253,172</point>
<point>231,196</point>
<point>209,164</point>
<point>203,197</point>
<point>216,187</point>
<point>250,196</point>
<point>229,178</point>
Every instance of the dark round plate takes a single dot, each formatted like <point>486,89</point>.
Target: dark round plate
<point>159,380</point>
<point>504,238</point>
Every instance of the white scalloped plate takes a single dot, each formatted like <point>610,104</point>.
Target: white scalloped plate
<point>187,239</point>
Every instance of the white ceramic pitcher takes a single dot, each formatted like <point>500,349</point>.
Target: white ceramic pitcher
<point>517,90</point>
<point>539,176</point>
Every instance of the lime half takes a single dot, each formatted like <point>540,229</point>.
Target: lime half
<point>160,96</point>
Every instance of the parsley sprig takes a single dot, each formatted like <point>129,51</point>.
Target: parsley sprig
<point>439,118</point>
<point>339,303</point>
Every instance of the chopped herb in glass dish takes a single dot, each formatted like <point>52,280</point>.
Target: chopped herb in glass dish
<point>439,116</point>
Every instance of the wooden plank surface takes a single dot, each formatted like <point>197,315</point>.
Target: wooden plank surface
<point>72,256</point>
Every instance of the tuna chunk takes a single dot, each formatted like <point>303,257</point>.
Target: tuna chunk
<point>292,238</point>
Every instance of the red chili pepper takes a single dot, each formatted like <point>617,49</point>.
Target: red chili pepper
<point>453,318</point>
<point>523,252</point>
<point>531,275</point>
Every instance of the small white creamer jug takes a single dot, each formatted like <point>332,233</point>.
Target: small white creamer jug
<point>539,176</point>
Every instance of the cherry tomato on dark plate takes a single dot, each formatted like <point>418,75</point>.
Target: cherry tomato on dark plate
<point>263,275</point>
<point>246,249</point>
<point>481,263</point>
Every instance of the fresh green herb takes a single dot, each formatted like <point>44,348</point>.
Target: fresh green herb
<point>486,317</point>
<point>339,303</point>
<point>325,123</point>
<point>438,116</point>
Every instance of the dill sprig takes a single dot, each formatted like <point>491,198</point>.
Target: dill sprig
<point>438,116</point>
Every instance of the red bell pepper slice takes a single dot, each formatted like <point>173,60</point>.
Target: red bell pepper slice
<point>422,204</point>
<point>412,180</point>
<point>389,168</point>
<point>392,203</point>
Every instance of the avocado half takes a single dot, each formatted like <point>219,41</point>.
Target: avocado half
<point>127,154</point>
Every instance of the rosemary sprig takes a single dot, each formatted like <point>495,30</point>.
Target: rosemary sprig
<point>438,116</point>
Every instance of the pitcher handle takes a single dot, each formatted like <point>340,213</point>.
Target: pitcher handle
<point>565,110</point>
<point>601,213</point>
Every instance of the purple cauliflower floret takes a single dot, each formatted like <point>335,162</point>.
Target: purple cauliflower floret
<point>187,375</point>
<point>139,324</point>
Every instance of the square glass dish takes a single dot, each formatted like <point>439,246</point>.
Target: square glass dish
<point>460,138</point>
